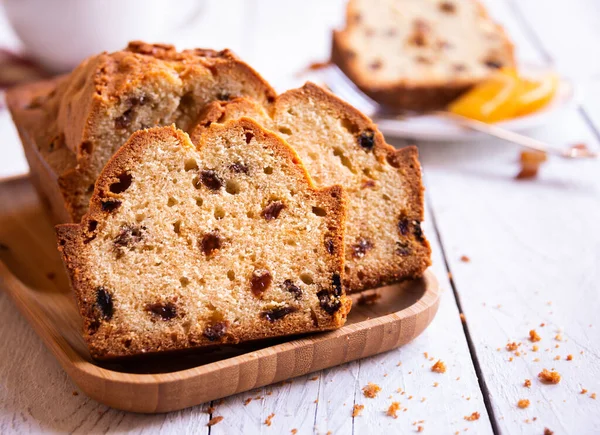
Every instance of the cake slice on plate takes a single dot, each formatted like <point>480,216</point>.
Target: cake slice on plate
<point>187,246</point>
<point>419,54</point>
<point>339,145</point>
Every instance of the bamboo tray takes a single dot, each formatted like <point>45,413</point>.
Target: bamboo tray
<point>31,273</point>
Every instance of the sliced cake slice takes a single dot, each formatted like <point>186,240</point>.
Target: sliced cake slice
<point>340,145</point>
<point>419,54</point>
<point>187,246</point>
<point>77,122</point>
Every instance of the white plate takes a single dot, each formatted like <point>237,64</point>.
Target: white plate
<point>434,128</point>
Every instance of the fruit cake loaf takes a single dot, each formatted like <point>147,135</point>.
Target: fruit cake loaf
<point>340,145</point>
<point>79,121</point>
<point>419,54</point>
<point>188,246</point>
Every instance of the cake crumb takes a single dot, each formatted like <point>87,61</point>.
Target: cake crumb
<point>557,357</point>
<point>214,421</point>
<point>465,259</point>
<point>435,384</point>
<point>569,357</point>
<point>558,337</point>
<point>535,348</point>
<point>472,417</point>
<point>248,400</point>
<point>357,410</point>
<point>549,377</point>
<point>439,367</point>
<point>523,403</point>
<point>210,410</point>
<point>593,396</point>
<point>527,383</point>
<point>511,347</point>
<point>314,378</point>
<point>583,391</point>
<point>530,164</point>
<point>371,390</point>
<point>269,418</point>
<point>420,428</point>
<point>393,410</point>
<point>548,431</point>
<point>463,319</point>
<point>533,336</point>
<point>294,431</point>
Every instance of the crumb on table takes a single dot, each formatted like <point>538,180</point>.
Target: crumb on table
<point>214,421</point>
<point>269,418</point>
<point>439,367</point>
<point>465,259</point>
<point>472,417</point>
<point>371,390</point>
<point>549,377</point>
<point>523,403</point>
<point>527,383</point>
<point>548,431</point>
<point>393,409</point>
<point>357,410</point>
<point>534,336</point>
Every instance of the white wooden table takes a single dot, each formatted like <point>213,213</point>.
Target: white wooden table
<point>534,249</point>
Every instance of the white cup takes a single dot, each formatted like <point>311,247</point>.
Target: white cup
<point>59,34</point>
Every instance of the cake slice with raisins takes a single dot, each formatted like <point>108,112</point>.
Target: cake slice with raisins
<point>71,126</point>
<point>188,246</point>
<point>419,54</point>
<point>339,145</point>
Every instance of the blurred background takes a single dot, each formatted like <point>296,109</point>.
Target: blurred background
<point>280,39</point>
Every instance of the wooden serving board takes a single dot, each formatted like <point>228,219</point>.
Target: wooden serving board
<point>32,275</point>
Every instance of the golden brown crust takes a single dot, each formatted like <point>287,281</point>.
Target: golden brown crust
<point>82,108</point>
<point>404,95</point>
<point>405,160</point>
<point>107,340</point>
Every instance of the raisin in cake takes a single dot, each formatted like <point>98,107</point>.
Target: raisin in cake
<point>339,145</point>
<point>71,126</point>
<point>185,247</point>
<point>419,54</point>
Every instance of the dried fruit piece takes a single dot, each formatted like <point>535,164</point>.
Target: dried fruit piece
<point>215,331</point>
<point>360,248</point>
<point>210,179</point>
<point>448,7</point>
<point>129,235</point>
<point>104,302</point>
<point>124,121</point>
<point>260,281</point>
<point>288,285</point>
<point>272,210</point>
<point>328,302</point>
<point>329,245</point>
<point>110,205</point>
<point>367,140</point>
<point>166,311</point>
<point>277,313</point>
<point>211,242</point>
<point>403,248</point>
<point>239,168</point>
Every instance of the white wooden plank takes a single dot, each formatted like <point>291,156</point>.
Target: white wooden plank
<point>441,408</point>
<point>534,248</point>
<point>287,36</point>
<point>567,30</point>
